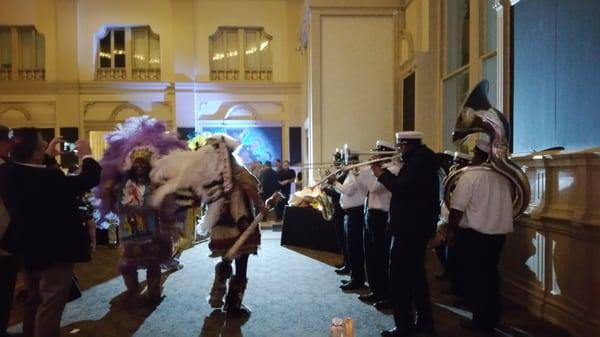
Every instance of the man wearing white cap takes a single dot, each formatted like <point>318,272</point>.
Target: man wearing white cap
<point>481,215</point>
<point>414,211</point>
<point>352,200</point>
<point>377,242</point>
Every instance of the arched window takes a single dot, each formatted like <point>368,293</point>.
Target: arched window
<point>128,53</point>
<point>22,53</point>
<point>240,53</point>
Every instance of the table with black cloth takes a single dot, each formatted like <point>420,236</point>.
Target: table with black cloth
<point>305,227</point>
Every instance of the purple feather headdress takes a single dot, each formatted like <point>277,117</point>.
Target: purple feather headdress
<point>135,132</point>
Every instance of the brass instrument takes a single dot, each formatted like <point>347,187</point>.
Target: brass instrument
<point>478,115</point>
<point>315,197</point>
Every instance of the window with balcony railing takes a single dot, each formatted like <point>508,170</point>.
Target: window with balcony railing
<point>240,54</point>
<point>22,53</point>
<point>128,53</point>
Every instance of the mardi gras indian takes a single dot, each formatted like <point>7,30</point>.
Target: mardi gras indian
<point>146,235</point>
<point>213,175</point>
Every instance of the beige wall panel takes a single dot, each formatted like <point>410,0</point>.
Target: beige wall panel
<point>524,257</point>
<point>67,110</point>
<point>66,44</point>
<point>272,15</point>
<point>183,40</point>
<point>185,105</point>
<point>357,81</point>
<point>570,261</point>
<point>22,12</point>
<point>294,18</point>
<point>421,25</point>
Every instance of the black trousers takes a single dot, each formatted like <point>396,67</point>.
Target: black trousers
<point>8,274</point>
<point>355,225</point>
<point>341,233</point>
<point>478,262</point>
<point>377,249</point>
<point>408,283</point>
<point>281,207</point>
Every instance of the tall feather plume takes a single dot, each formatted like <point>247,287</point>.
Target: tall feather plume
<point>134,132</point>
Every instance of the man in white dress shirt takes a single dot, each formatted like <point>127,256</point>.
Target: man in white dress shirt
<point>481,215</point>
<point>352,200</point>
<point>377,238</point>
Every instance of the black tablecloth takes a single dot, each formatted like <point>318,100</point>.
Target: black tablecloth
<point>305,227</point>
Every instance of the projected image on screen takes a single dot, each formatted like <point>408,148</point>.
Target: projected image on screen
<point>258,142</point>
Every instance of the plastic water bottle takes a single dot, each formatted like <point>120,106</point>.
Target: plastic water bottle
<point>337,327</point>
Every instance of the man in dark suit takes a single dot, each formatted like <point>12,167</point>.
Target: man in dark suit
<point>49,235</point>
<point>268,181</point>
<point>8,262</point>
<point>414,211</point>
<point>285,178</point>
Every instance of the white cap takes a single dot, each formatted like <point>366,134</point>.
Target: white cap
<point>408,135</point>
<point>483,145</point>
<point>383,145</point>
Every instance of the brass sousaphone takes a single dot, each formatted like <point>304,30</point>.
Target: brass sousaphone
<point>478,115</point>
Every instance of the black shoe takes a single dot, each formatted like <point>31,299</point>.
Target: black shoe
<point>394,333</point>
<point>424,326</point>
<point>383,305</point>
<point>353,285</point>
<point>345,281</point>
<point>442,277</point>
<point>476,326</point>
<point>343,271</point>
<point>370,297</point>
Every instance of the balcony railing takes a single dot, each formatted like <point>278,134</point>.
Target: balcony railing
<point>5,74</point>
<point>32,74</point>
<point>258,75</point>
<point>224,75</point>
<point>146,74</point>
<point>111,74</point>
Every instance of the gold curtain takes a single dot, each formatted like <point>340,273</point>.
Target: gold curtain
<point>98,144</point>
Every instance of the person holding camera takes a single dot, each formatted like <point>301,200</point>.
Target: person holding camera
<point>49,237</point>
<point>8,261</point>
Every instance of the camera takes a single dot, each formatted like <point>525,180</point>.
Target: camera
<point>69,147</point>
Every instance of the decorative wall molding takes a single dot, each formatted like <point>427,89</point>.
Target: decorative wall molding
<point>405,35</point>
<point>126,87</point>
<point>127,106</point>
<point>26,114</point>
<point>268,88</point>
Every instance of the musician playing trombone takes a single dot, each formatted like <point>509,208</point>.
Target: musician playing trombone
<point>352,200</point>
<point>414,211</point>
<point>376,236</point>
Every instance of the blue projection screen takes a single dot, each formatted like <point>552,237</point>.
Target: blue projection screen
<point>258,142</point>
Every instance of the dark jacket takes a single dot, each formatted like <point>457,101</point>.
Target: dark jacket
<point>6,236</point>
<point>415,205</point>
<point>43,209</point>
<point>268,182</point>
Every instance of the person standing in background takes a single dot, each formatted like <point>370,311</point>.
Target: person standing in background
<point>8,262</point>
<point>377,239</point>
<point>285,177</point>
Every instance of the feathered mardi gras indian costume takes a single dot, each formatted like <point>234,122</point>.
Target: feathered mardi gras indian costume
<point>212,174</point>
<point>146,235</point>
